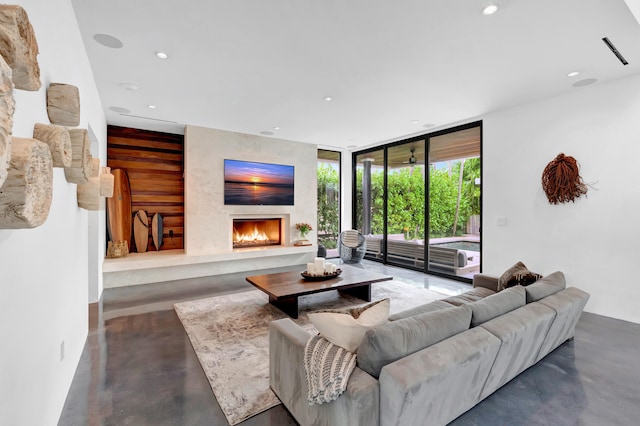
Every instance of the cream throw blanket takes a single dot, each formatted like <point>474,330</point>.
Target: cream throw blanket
<point>327,367</point>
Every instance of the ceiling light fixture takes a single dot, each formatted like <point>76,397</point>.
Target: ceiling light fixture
<point>414,121</point>
<point>162,55</point>
<point>328,98</point>
<point>152,106</point>
<point>119,110</point>
<point>129,86</point>
<point>276,128</point>
<point>490,10</point>
<point>573,73</point>
<point>108,41</point>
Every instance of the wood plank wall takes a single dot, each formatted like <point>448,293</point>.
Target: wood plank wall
<point>154,162</point>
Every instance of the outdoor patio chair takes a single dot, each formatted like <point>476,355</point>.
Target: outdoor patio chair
<point>352,246</point>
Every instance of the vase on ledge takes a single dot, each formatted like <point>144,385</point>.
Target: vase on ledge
<point>303,240</point>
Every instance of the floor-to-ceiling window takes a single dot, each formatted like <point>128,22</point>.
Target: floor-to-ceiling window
<point>454,201</point>
<point>328,200</point>
<point>417,201</point>
<point>406,204</point>
<point>369,200</point>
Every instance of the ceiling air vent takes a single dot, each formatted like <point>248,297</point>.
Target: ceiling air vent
<point>615,51</point>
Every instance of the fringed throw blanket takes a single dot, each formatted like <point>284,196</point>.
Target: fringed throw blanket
<point>328,368</point>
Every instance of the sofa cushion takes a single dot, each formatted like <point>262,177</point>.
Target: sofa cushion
<point>422,309</point>
<point>518,274</point>
<point>477,293</point>
<point>389,342</point>
<point>497,304</point>
<point>546,286</point>
<point>346,328</point>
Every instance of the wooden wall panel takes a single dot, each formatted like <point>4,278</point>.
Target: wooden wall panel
<point>154,162</point>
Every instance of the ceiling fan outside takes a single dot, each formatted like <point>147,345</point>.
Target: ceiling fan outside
<point>412,160</point>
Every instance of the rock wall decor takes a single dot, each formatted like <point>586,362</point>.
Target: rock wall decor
<point>95,167</point>
<point>63,104</point>
<point>7,106</point>
<point>19,47</point>
<point>80,168</point>
<point>25,197</point>
<point>59,141</point>
<point>106,182</point>
<point>561,180</point>
<point>89,194</point>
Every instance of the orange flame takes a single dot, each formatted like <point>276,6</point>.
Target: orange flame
<point>251,237</point>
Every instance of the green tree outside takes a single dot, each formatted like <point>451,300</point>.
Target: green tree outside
<point>407,194</point>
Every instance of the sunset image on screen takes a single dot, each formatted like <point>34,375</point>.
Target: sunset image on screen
<point>249,183</point>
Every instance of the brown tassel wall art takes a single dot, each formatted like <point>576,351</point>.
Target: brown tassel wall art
<point>561,180</point>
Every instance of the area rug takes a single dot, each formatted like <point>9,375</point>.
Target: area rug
<point>230,335</point>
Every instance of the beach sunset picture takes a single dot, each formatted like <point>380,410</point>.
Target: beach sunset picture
<point>249,183</point>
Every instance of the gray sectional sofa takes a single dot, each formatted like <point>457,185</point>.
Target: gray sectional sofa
<point>430,364</point>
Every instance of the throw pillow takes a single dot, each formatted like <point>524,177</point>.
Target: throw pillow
<point>546,286</point>
<point>497,304</point>
<point>518,274</point>
<point>346,328</point>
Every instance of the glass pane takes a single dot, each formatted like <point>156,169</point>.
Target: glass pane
<point>405,204</point>
<point>370,199</point>
<point>328,200</point>
<point>454,203</point>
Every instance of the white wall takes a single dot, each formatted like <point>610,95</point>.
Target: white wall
<point>43,271</point>
<point>595,240</point>
<point>207,222</point>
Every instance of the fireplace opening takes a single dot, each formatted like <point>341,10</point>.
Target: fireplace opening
<point>256,232</point>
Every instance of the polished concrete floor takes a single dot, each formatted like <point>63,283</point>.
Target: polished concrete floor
<point>138,366</point>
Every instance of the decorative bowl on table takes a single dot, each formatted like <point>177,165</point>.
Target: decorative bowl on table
<point>325,276</point>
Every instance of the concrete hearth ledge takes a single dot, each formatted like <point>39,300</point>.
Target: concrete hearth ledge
<point>169,265</point>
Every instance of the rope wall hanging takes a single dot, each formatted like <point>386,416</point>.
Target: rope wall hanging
<point>561,180</point>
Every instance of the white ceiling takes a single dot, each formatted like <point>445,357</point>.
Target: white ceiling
<point>250,65</point>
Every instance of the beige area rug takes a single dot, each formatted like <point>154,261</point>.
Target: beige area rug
<point>230,335</point>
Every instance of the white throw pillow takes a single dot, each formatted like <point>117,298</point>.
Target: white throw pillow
<point>346,328</point>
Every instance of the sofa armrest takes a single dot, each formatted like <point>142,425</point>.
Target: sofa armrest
<point>486,281</point>
<point>357,405</point>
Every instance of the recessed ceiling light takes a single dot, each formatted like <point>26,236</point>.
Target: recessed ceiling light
<point>119,110</point>
<point>328,98</point>
<point>152,106</point>
<point>108,41</point>
<point>129,86</point>
<point>414,121</point>
<point>162,55</point>
<point>276,128</point>
<point>490,10</point>
<point>585,82</point>
<point>573,73</point>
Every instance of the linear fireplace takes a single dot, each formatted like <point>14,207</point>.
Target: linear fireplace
<point>256,232</point>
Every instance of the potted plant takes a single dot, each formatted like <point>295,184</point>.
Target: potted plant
<point>303,229</point>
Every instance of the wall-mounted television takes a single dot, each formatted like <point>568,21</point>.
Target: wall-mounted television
<point>249,183</point>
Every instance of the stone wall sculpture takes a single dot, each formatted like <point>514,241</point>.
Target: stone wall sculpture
<point>19,47</point>
<point>25,196</point>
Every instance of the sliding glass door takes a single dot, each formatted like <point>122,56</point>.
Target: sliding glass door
<point>406,204</point>
<point>454,202</point>
<point>418,202</point>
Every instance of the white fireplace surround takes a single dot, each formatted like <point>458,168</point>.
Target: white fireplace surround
<point>208,247</point>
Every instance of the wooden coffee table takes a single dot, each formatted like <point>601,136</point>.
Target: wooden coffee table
<point>284,288</point>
